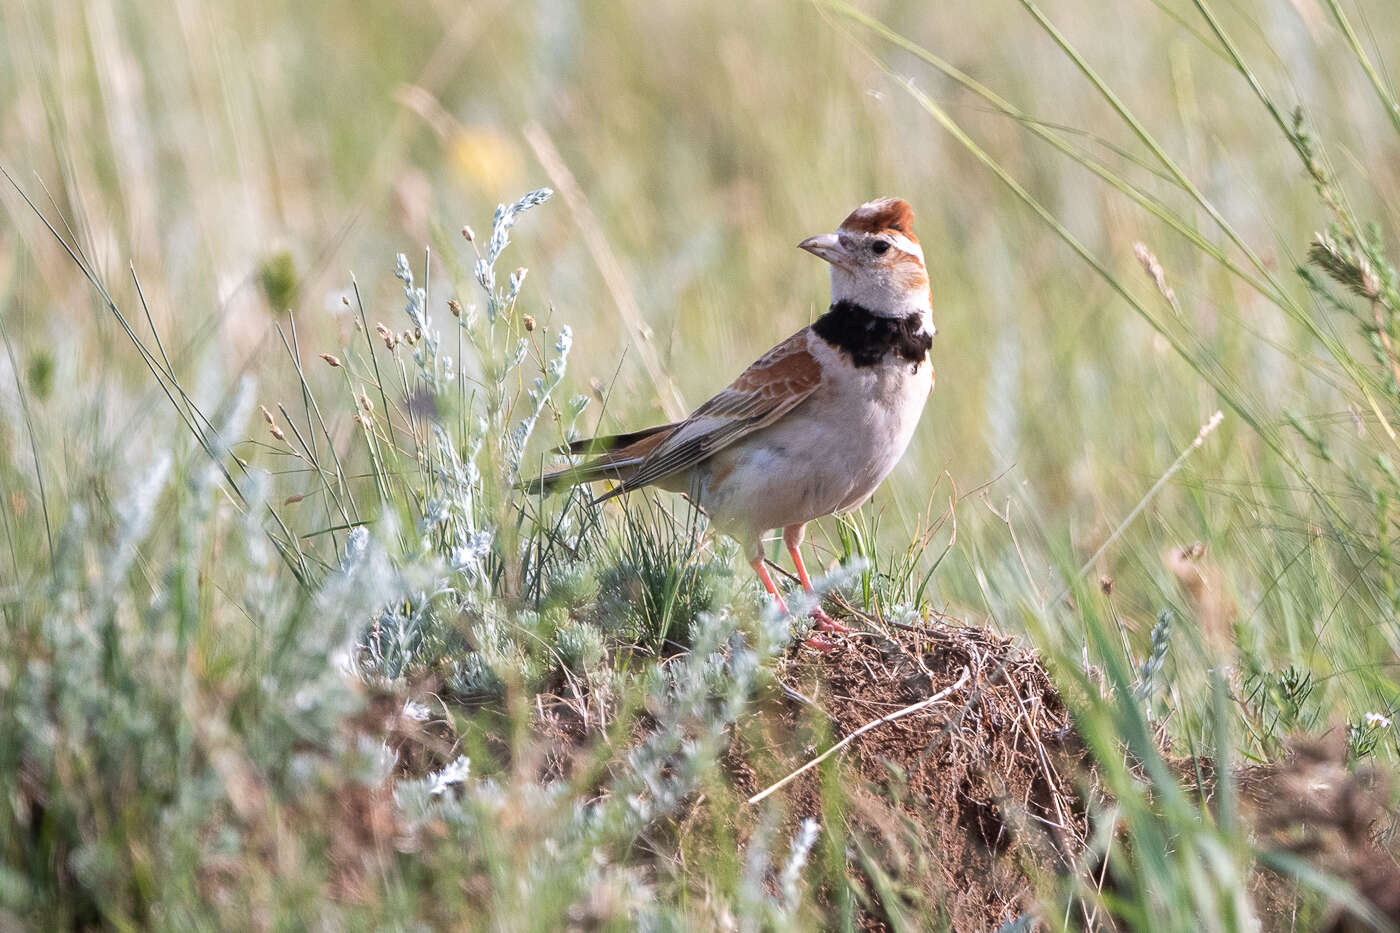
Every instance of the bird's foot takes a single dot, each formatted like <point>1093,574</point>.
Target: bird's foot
<point>825,623</point>
<point>818,643</point>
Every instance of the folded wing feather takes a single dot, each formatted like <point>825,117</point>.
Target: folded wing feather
<point>766,391</point>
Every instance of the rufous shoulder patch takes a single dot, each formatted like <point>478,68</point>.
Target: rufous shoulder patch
<point>786,370</point>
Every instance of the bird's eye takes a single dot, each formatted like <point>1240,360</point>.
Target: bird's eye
<point>879,247</point>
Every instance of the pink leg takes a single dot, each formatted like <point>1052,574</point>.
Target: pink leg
<point>816,641</point>
<point>763,575</point>
<point>792,537</point>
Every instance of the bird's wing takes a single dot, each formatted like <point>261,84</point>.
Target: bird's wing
<point>765,392</point>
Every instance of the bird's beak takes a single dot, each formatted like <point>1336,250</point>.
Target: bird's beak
<point>827,246</point>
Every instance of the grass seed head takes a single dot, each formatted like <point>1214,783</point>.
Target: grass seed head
<point>1154,271</point>
<point>1346,264</point>
<point>272,427</point>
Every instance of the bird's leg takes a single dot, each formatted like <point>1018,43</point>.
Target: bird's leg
<point>816,641</point>
<point>792,537</point>
<point>767,579</point>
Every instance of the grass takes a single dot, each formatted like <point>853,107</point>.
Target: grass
<point>285,642</point>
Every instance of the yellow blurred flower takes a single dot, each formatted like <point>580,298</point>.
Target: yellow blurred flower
<point>486,157</point>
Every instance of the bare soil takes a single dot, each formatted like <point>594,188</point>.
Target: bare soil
<point>954,810</point>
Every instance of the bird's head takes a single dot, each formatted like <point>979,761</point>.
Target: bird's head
<point>876,260</point>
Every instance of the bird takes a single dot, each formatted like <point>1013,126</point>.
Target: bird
<point>816,424</point>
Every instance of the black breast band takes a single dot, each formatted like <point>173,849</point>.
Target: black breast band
<point>869,339</point>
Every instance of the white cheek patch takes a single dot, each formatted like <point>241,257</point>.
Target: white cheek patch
<point>902,242</point>
<point>889,286</point>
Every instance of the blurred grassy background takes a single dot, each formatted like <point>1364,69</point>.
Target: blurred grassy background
<point>250,161</point>
<point>247,158</point>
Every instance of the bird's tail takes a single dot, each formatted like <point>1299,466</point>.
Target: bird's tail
<point>583,473</point>
<point>616,456</point>
<point>618,443</point>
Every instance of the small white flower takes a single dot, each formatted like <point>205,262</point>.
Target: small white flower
<point>469,554</point>
<point>1376,720</point>
<point>439,782</point>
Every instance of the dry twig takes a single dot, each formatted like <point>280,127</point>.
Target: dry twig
<point>898,714</point>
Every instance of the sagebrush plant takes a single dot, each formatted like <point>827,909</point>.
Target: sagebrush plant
<point>224,737</point>
<point>445,456</point>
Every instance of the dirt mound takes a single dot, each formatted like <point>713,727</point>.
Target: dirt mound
<point>957,790</point>
<point>955,806</point>
<point>945,765</point>
<point>1313,806</point>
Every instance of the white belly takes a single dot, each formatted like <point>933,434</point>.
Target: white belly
<point>827,455</point>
